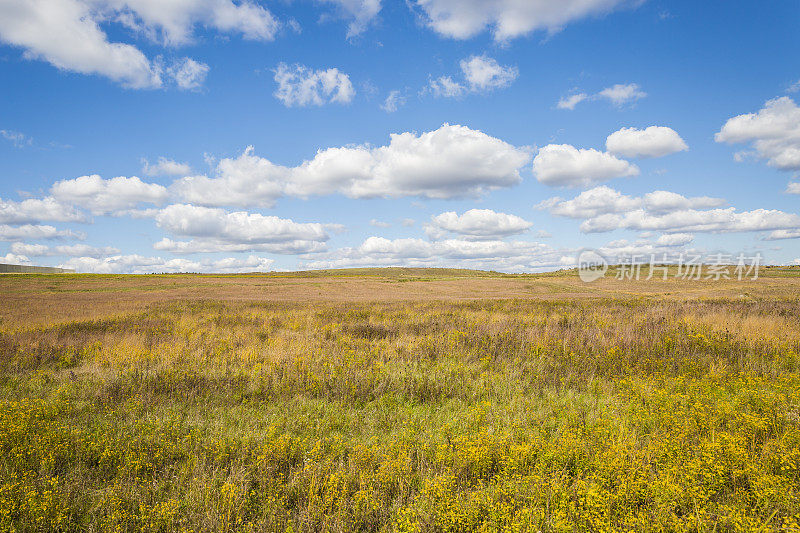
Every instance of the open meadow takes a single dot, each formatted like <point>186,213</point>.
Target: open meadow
<point>399,400</point>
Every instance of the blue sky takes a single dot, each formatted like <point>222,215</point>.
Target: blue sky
<point>228,135</point>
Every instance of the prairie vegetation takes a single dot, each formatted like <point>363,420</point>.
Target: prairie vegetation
<point>430,401</point>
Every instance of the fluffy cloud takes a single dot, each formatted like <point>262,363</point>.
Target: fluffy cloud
<point>654,141</point>
<point>301,86</point>
<point>35,210</point>
<point>675,239</point>
<point>494,255</point>
<point>779,234</point>
<point>14,259</point>
<point>621,94</point>
<point>30,232</point>
<point>774,132</point>
<point>73,250</point>
<point>67,34</point>
<point>360,13</point>
<point>461,19</point>
<point>138,264</point>
<point>793,188</point>
<point>216,230</point>
<point>247,180</point>
<point>570,101</point>
<point>212,245</point>
<point>690,220</point>
<point>452,161</point>
<point>166,167</point>
<point>485,74</point>
<point>605,209</point>
<point>476,224</point>
<point>604,200</point>
<point>481,74</point>
<point>173,23</point>
<point>111,196</point>
<point>563,165</point>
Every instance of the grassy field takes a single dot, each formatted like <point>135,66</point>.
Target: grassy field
<point>399,400</point>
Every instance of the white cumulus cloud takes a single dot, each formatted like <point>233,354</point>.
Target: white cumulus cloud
<point>563,165</point>
<point>138,264</point>
<point>452,161</point>
<point>476,224</point>
<point>481,74</point>
<point>360,13</point>
<point>301,86</point>
<point>166,167</point>
<point>216,230</point>
<point>653,141</point>
<point>570,101</point>
<point>485,74</point>
<point>621,94</point>
<point>774,132</point>
<point>461,19</point>
<point>72,250</point>
<point>604,209</point>
<point>108,196</point>
<point>67,34</point>
<point>30,232</point>
<point>38,209</point>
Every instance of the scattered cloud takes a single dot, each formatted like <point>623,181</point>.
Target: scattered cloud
<point>507,256</point>
<point>14,259</point>
<point>774,132</point>
<point>299,86</point>
<point>653,141</point>
<point>507,19</point>
<point>108,197</point>
<point>604,209</point>
<point>486,74</point>
<point>793,187</point>
<point>67,34</point>
<point>138,264</point>
<point>780,234</point>
<point>72,250</point>
<point>19,140</point>
<point>604,200</point>
<point>361,13</point>
<point>563,165</point>
<point>218,230</point>
<point>165,167</point>
<point>445,86</point>
<point>394,101</point>
<point>621,94</point>
<point>476,224</point>
<point>379,223</point>
<point>570,101</point>
<point>31,232</point>
<point>452,161</point>
<point>675,239</point>
<point>481,74</point>
<point>188,74</point>
<point>35,210</point>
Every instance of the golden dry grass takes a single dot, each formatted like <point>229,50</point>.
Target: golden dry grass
<point>399,400</point>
